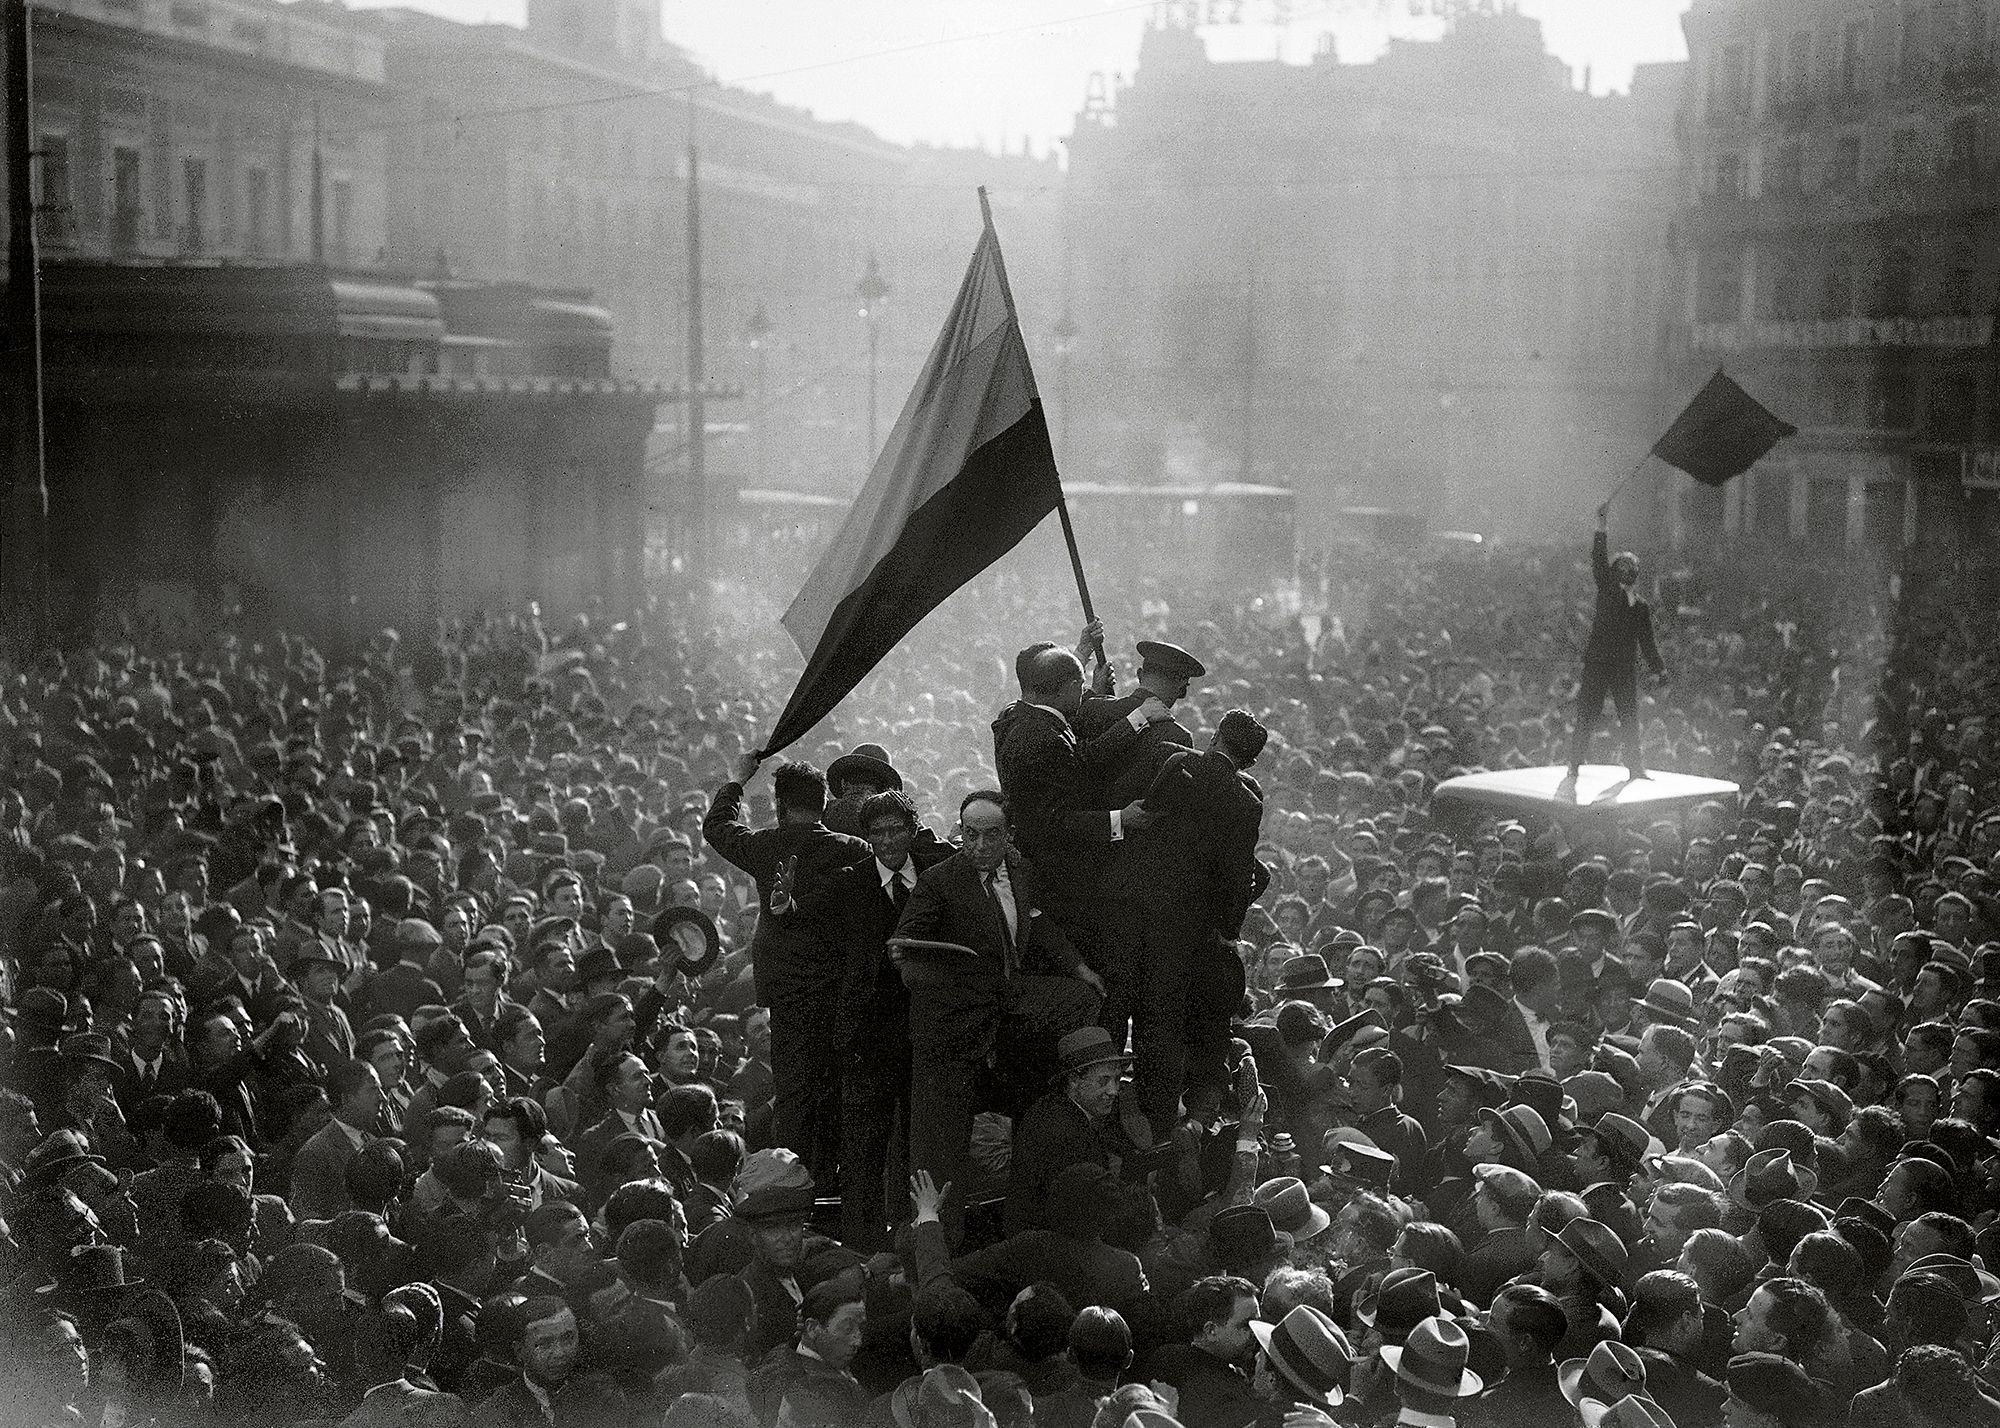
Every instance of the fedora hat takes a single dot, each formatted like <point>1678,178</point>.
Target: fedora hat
<point>1433,1358</point>
<point>1669,1001</point>
<point>1971,1278</point>
<point>1309,1352</point>
<point>1630,1140</point>
<point>1487,1087</point>
<point>1598,1249</point>
<point>1085,1048</point>
<point>1523,1128</point>
<point>58,1154</point>
<point>1539,1090</point>
<point>91,1270</point>
<point>87,1046</point>
<point>865,761</point>
<point>1243,1236</point>
<point>1367,1163</point>
<point>1771,1175</point>
<point>1291,1209</point>
<point>693,932</point>
<point>1401,1300</point>
<point>1351,1029</point>
<point>1633,1411</point>
<point>1613,1371</point>
<point>150,1324</point>
<point>1307,972</point>
<point>1868,1212</point>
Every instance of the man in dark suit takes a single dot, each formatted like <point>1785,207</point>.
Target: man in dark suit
<point>399,989</point>
<point>1063,1128</point>
<point>151,1059</point>
<point>854,914</point>
<point>1177,891</point>
<point>547,1354</point>
<point>1049,778</point>
<point>796,977</point>
<point>1527,1322</point>
<point>319,1170</point>
<point>329,1038</point>
<point>1005,1006</point>
<point>1164,673</point>
<point>1621,631</point>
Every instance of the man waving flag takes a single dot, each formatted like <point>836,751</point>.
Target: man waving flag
<point>967,471</point>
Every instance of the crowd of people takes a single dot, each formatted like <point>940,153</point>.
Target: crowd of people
<point>475,1029</point>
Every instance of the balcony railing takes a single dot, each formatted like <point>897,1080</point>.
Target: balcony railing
<point>1847,332</point>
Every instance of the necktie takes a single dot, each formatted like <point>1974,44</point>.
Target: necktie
<point>1000,911</point>
<point>899,892</point>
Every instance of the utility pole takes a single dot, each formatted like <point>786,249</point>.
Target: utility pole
<point>25,556</point>
<point>318,193</point>
<point>697,412</point>
<point>1247,460</point>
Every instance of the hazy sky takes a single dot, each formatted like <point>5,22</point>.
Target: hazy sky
<point>980,71</point>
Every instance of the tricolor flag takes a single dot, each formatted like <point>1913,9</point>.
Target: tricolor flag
<point>966,473</point>
<point>1721,434</point>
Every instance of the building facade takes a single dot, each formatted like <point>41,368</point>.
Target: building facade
<point>188,129</point>
<point>1841,258</point>
<point>560,153</point>
<point>1434,282</point>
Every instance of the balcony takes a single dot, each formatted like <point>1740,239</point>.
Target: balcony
<point>1848,334</point>
<point>1969,77</point>
<point>292,35</point>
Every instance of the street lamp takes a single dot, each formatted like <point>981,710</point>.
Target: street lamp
<point>1065,333</point>
<point>760,328</point>
<point>871,290</point>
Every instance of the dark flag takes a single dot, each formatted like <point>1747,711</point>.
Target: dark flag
<point>1721,434</point>
<point>966,473</point>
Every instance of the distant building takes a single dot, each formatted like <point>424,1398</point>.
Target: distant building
<point>1841,160</point>
<point>187,129</point>
<point>1434,282</point>
<point>559,153</point>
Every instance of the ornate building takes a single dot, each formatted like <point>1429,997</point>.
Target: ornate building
<point>1434,282</point>
<point>1841,258</point>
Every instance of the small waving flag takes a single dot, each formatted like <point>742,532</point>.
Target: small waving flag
<point>1721,434</point>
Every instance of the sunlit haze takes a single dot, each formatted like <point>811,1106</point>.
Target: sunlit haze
<point>1001,73</point>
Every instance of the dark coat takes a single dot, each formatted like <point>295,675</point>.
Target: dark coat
<point>1049,779</point>
<point>1211,1392</point>
<point>950,904</point>
<point>854,917</point>
<point>400,990</point>
<point>319,1173</point>
<point>1051,1137</point>
<point>1200,853</point>
<point>1126,779</point>
<point>1525,1398</point>
<point>1621,630</point>
<point>129,1088</point>
<point>786,958</point>
<point>809,1390</point>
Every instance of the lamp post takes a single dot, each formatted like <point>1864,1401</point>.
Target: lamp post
<point>871,290</point>
<point>760,328</point>
<point>1065,333</point>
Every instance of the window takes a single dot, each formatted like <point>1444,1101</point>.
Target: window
<point>1720,298</point>
<point>1836,292</point>
<point>1963,161</point>
<point>1895,284</point>
<point>1949,407</point>
<point>1798,65</point>
<point>1835,398</point>
<point>1785,289</point>
<point>1846,170</point>
<point>1788,168</point>
<point>1903,162</point>
<point>1728,175</point>
<point>127,213</point>
<point>1853,58</point>
<point>1914,61</point>
<point>256,203</point>
<point>194,204</point>
<point>343,215</point>
<point>52,196</point>
<point>1734,80</point>
<point>1895,407</point>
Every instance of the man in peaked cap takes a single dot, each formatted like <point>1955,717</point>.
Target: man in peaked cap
<point>1175,902</point>
<point>1164,673</point>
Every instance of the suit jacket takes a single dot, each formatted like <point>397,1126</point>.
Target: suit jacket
<point>950,904</point>
<point>403,1404</point>
<point>805,1392</point>
<point>1497,1258</point>
<point>1052,1136</point>
<point>319,1171</point>
<point>130,1087</point>
<point>1201,853</point>
<point>1126,779</point>
<point>399,990</point>
<point>1049,779</point>
<point>1211,1392</point>
<point>329,1038</point>
<point>854,918</point>
<point>1621,630</point>
<point>591,1144</point>
<point>785,957</point>
<point>1525,1398</point>
<point>513,1406</point>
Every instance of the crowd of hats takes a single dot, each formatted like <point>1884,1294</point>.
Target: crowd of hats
<point>153,789</point>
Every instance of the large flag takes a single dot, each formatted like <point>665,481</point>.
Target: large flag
<point>966,473</point>
<point>1721,434</point>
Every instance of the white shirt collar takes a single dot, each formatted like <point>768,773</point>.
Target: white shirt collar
<point>906,875</point>
<point>1534,1017</point>
<point>352,1134</point>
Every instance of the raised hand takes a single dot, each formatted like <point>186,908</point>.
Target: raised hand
<point>927,1196</point>
<point>782,883</point>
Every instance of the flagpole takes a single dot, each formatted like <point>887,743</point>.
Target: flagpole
<point>1626,480</point>
<point>1062,504</point>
